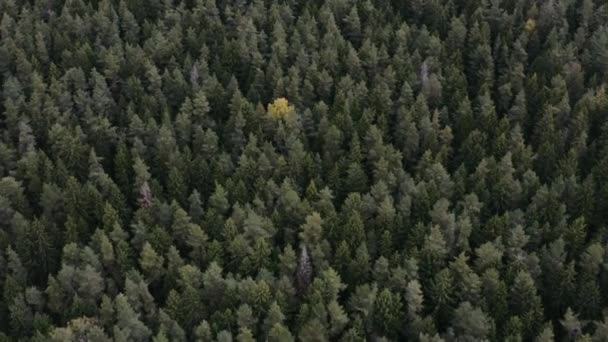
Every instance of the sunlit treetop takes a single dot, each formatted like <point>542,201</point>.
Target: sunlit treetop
<point>530,25</point>
<point>280,108</point>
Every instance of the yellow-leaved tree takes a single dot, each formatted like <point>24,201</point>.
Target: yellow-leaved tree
<point>530,25</point>
<point>280,109</point>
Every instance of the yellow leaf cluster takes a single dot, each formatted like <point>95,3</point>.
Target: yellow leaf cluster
<point>530,25</point>
<point>280,108</point>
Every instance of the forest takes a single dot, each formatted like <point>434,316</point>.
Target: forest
<point>304,170</point>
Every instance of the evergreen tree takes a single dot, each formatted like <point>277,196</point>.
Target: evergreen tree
<point>270,170</point>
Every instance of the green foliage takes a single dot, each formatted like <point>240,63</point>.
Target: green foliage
<point>388,313</point>
<point>272,171</point>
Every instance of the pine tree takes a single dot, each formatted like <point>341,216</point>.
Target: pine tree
<point>151,263</point>
<point>471,323</point>
<point>388,313</point>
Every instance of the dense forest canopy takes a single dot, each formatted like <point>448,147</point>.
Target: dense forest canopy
<point>282,170</point>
